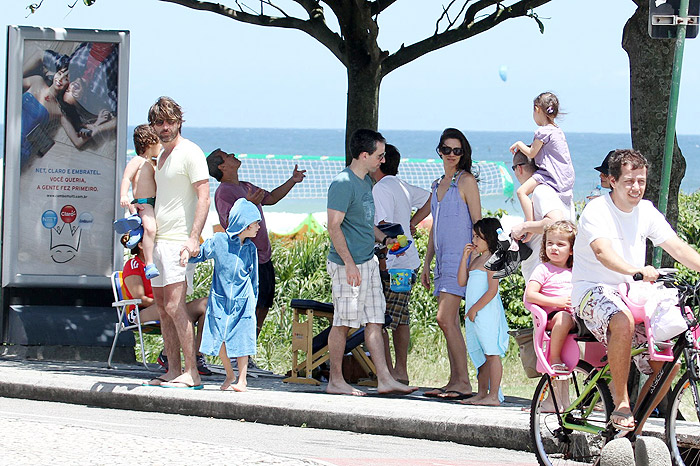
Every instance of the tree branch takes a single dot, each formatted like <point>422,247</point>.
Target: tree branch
<point>312,7</point>
<point>315,27</point>
<point>464,31</point>
<point>446,14</point>
<point>476,7</point>
<point>378,6</point>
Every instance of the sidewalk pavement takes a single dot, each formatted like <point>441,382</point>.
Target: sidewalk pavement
<point>271,401</point>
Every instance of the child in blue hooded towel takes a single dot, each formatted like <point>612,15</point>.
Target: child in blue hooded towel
<point>229,327</point>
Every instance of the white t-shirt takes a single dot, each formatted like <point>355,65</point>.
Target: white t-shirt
<point>544,200</point>
<point>176,198</point>
<point>627,233</point>
<point>394,200</point>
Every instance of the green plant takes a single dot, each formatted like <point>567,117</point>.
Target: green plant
<point>688,228</point>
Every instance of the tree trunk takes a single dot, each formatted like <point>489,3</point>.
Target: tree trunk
<point>364,60</point>
<point>651,65</point>
<point>363,101</point>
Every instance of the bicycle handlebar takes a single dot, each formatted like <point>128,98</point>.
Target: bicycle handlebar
<point>664,273</point>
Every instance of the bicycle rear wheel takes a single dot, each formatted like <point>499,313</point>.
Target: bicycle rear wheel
<point>683,423</point>
<point>553,444</point>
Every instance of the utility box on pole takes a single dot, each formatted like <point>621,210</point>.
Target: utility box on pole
<point>664,17</point>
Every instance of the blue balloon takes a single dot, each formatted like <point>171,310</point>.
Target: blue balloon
<point>503,73</point>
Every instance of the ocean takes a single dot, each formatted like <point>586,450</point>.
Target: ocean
<point>587,151</point>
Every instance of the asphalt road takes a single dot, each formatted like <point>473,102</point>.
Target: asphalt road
<point>34,432</point>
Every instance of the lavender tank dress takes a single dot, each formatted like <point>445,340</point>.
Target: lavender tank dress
<point>452,230</point>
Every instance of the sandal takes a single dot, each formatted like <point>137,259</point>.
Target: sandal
<point>560,369</point>
<point>623,427</point>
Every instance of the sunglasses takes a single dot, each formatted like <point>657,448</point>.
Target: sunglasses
<point>513,167</point>
<point>447,150</point>
<point>160,121</point>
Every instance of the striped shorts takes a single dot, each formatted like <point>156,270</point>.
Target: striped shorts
<point>355,306</point>
<point>396,304</point>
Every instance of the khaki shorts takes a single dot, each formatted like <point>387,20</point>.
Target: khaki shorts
<point>166,256</point>
<point>355,306</point>
<point>598,306</point>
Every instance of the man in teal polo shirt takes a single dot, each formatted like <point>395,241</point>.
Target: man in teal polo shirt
<point>358,298</point>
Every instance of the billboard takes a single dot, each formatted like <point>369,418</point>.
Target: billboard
<point>65,146</point>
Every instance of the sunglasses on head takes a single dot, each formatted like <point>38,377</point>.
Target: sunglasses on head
<point>447,150</point>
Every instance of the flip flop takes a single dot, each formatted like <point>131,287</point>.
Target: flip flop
<point>560,369</point>
<point>151,271</point>
<point>126,224</point>
<point>434,395</point>
<point>458,395</point>
<point>619,426</point>
<point>149,384</point>
<point>182,385</point>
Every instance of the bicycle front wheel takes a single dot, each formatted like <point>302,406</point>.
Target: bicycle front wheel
<point>555,445</point>
<point>683,423</point>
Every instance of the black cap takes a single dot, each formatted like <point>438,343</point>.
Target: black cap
<point>392,230</point>
<point>603,168</point>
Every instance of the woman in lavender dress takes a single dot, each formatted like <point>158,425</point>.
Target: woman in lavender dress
<point>455,205</point>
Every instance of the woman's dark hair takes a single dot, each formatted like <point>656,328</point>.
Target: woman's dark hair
<point>486,228</point>
<point>392,158</point>
<point>53,61</point>
<point>465,162</point>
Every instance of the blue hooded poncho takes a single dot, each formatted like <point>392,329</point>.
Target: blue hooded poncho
<point>230,315</point>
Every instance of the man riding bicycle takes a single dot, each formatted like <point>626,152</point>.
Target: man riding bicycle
<point>609,250</point>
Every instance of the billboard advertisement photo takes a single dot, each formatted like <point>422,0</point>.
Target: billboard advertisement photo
<point>65,137</point>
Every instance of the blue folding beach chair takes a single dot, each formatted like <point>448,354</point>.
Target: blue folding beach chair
<point>122,306</point>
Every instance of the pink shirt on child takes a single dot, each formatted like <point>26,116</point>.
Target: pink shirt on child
<point>554,281</point>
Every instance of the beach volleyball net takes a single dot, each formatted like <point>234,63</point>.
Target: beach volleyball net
<point>269,171</point>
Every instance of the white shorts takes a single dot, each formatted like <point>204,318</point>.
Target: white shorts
<point>355,306</point>
<point>166,256</point>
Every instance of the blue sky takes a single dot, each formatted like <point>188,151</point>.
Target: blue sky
<point>229,74</point>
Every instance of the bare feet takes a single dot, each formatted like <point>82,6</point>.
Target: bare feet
<point>343,389</point>
<point>240,386</point>
<point>391,386</point>
<point>227,384</point>
<point>233,388</point>
<point>487,400</point>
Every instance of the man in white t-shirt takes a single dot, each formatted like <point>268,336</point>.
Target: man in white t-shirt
<point>610,248</point>
<point>182,204</point>
<point>548,208</point>
<point>394,201</point>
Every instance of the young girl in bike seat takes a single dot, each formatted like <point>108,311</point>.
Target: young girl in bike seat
<point>550,287</point>
<point>485,320</point>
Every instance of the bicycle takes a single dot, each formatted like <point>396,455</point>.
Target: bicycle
<point>575,432</point>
